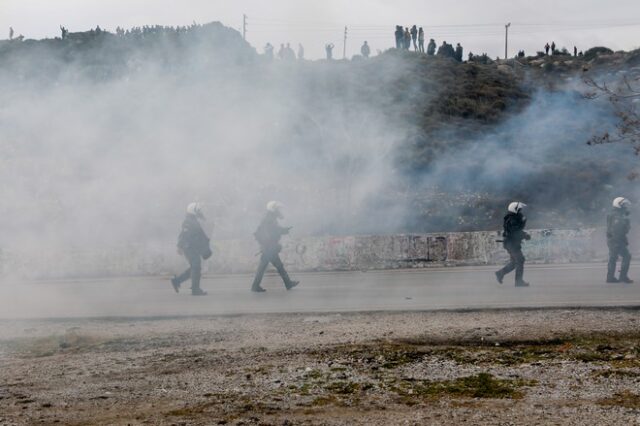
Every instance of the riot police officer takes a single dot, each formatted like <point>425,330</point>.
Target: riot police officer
<point>618,226</point>
<point>513,234</point>
<point>193,243</point>
<point>268,236</point>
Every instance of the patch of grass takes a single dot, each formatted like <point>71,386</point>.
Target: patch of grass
<point>387,355</point>
<point>305,389</point>
<point>625,399</point>
<point>192,410</point>
<point>314,374</point>
<point>586,355</point>
<point>322,401</point>
<point>71,342</point>
<point>483,385</point>
<point>614,373</point>
<point>343,388</point>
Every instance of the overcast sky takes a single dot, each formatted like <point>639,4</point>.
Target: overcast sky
<point>477,24</point>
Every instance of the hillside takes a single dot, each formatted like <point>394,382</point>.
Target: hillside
<point>402,142</point>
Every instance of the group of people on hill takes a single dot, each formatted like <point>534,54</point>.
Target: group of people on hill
<point>407,37</point>
<point>552,47</point>
<point>285,53</point>
<point>448,51</point>
<point>154,29</point>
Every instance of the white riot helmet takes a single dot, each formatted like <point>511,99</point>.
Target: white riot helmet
<point>275,207</point>
<point>621,202</point>
<point>195,209</point>
<point>516,206</point>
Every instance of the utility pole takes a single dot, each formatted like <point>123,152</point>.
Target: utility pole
<point>244,27</point>
<point>506,40</point>
<point>344,45</point>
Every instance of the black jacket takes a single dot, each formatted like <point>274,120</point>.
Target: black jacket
<point>513,228</point>
<point>192,238</point>
<point>618,226</point>
<point>269,232</point>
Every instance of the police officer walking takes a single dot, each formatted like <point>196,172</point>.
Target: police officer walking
<point>268,236</point>
<point>618,226</point>
<point>514,223</point>
<point>193,243</point>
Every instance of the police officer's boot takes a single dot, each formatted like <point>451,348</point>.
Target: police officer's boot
<point>624,270</point>
<point>175,284</point>
<point>500,276</point>
<point>195,286</point>
<point>288,282</point>
<point>611,269</point>
<point>520,282</point>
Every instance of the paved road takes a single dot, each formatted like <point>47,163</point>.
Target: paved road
<point>446,288</point>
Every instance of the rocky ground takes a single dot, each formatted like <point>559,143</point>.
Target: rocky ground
<point>565,367</point>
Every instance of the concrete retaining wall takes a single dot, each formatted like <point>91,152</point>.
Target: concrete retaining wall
<point>312,254</point>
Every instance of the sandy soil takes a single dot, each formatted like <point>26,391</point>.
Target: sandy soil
<point>533,367</point>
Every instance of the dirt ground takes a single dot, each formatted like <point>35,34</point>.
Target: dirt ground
<point>511,367</point>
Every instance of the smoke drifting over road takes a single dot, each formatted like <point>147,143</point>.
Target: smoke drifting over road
<point>107,138</point>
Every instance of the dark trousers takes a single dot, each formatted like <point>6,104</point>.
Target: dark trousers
<point>516,261</point>
<point>194,272</point>
<point>274,259</point>
<point>614,253</point>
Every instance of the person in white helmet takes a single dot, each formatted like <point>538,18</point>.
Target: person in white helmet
<point>618,226</point>
<point>268,236</point>
<point>513,234</point>
<point>193,243</point>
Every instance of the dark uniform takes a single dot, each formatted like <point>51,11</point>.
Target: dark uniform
<point>268,236</point>
<point>431,48</point>
<point>618,226</point>
<point>459,53</point>
<point>513,234</point>
<point>365,50</point>
<point>194,243</point>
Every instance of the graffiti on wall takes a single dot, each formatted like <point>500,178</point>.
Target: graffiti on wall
<point>312,254</point>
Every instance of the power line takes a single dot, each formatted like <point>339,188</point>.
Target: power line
<point>560,24</point>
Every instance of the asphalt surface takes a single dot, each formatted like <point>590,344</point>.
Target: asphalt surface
<point>403,290</point>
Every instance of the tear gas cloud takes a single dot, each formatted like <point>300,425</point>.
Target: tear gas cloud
<point>107,145</point>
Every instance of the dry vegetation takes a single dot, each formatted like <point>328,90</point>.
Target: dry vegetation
<point>561,367</point>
